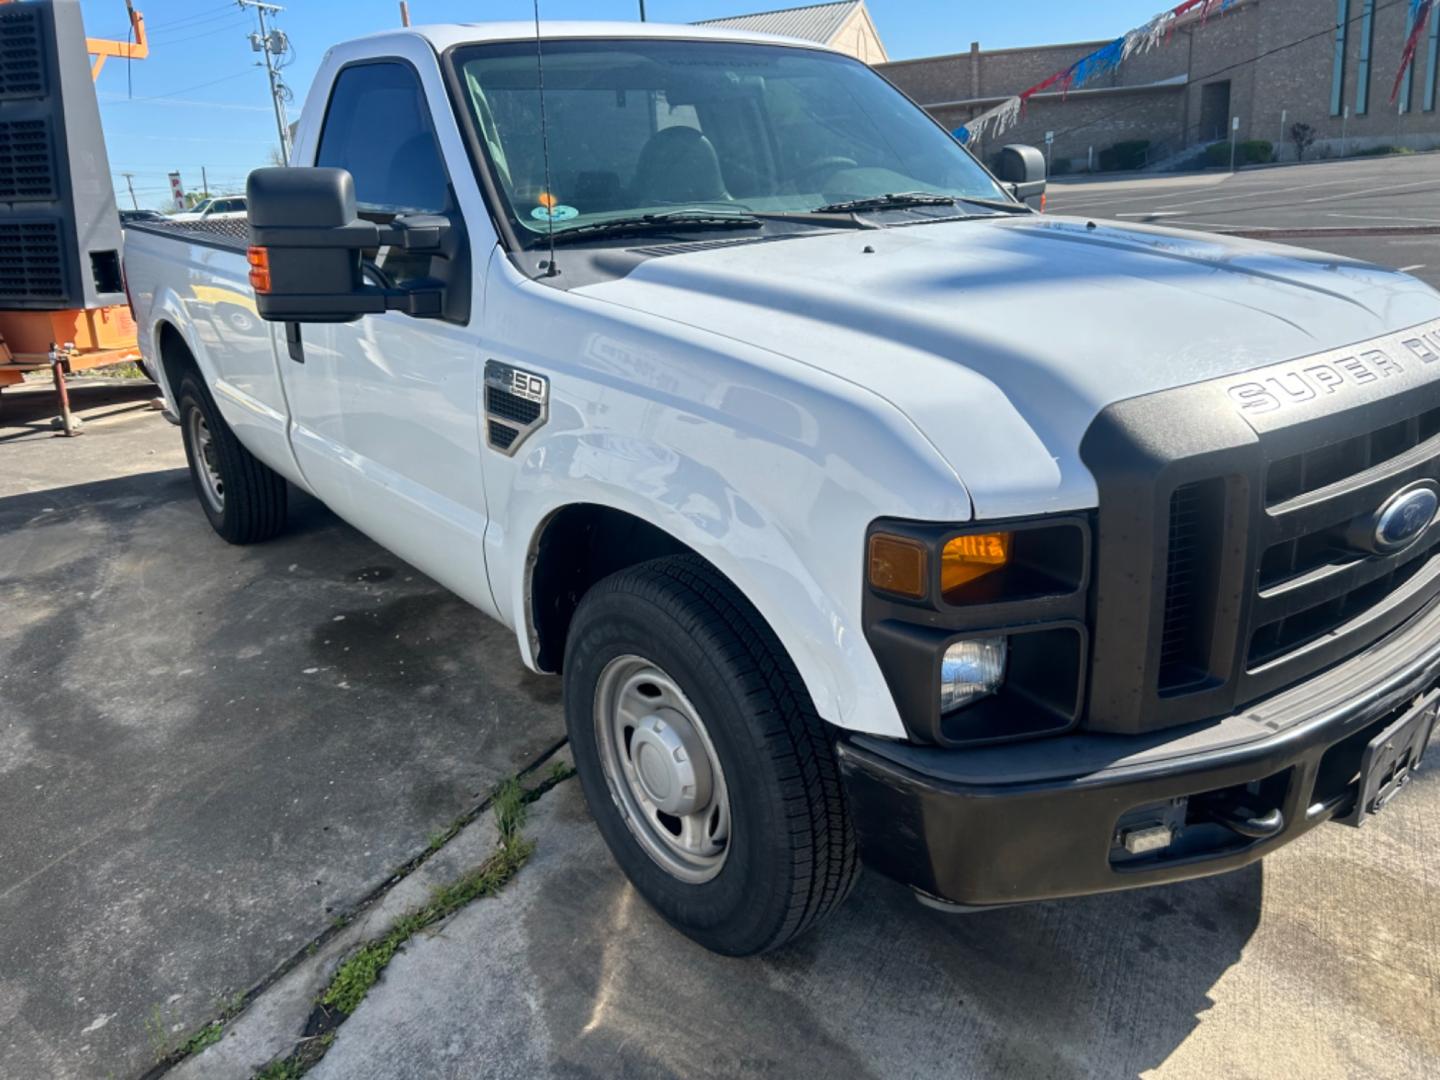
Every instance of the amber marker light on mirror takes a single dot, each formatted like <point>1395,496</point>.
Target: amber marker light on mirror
<point>259,260</point>
<point>967,558</point>
<point>897,565</point>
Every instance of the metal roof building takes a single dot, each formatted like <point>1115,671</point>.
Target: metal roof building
<point>846,26</point>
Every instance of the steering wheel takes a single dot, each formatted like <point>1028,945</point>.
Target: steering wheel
<point>829,164</point>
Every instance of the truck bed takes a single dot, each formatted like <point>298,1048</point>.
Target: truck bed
<point>231,233</point>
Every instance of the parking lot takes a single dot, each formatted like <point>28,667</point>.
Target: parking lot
<point>1390,196</point>
<point>221,769</point>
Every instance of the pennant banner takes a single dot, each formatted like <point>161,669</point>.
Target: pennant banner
<point>1103,60</point>
<point>1419,15</point>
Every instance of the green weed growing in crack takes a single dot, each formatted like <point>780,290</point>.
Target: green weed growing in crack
<point>206,1036</point>
<point>157,1032</point>
<point>362,969</point>
<point>560,771</point>
<point>300,1062</point>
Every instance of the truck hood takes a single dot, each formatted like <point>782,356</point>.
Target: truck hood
<point>1002,338</point>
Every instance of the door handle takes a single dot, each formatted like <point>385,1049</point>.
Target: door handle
<point>293,343</point>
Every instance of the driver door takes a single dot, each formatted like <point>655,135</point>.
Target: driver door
<point>384,419</point>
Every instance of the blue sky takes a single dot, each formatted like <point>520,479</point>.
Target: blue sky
<point>199,100</point>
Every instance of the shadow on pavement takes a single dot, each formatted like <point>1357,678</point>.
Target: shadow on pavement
<point>208,752</point>
<point>26,413</point>
<point>1100,986</point>
<point>568,973</point>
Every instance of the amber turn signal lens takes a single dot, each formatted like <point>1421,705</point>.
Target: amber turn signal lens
<point>969,557</point>
<point>897,565</point>
<point>259,260</point>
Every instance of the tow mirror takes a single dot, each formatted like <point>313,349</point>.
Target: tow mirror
<point>1022,168</point>
<point>308,250</point>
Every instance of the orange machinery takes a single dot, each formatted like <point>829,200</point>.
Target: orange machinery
<point>73,339</point>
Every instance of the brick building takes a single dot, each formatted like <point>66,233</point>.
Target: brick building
<point>1271,63</point>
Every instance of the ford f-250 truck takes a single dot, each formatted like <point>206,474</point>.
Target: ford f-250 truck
<point>867,513</point>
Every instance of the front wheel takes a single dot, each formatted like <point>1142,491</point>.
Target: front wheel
<point>707,770</point>
<point>243,498</point>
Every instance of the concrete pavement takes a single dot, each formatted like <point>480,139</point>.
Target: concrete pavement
<point>1322,964</point>
<point>207,753</point>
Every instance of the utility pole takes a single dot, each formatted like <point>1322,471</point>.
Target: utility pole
<point>404,13</point>
<point>272,43</point>
<point>642,10</point>
<point>204,182</point>
<point>129,183</point>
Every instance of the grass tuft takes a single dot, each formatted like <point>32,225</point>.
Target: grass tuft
<point>362,969</point>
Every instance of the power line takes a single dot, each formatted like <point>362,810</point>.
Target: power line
<point>231,24</point>
<point>174,95</point>
<point>183,21</point>
<point>201,18</point>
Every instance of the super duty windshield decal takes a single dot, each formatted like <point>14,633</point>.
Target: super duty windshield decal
<point>1378,368</point>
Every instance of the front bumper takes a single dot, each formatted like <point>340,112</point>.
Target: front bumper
<point>1039,820</point>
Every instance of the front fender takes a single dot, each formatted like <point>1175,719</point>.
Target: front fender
<point>770,470</point>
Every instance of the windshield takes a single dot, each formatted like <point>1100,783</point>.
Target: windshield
<point>651,126</point>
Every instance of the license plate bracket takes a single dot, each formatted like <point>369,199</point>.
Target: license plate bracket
<point>1391,758</point>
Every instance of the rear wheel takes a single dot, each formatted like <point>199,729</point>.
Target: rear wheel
<point>707,770</point>
<point>244,499</point>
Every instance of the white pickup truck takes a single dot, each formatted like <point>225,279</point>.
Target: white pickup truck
<point>868,514</point>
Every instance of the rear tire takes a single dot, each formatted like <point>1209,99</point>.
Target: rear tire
<point>772,852</point>
<point>244,499</point>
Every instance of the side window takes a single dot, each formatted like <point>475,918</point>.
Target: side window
<point>378,127</point>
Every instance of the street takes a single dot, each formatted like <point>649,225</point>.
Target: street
<point>1367,193</point>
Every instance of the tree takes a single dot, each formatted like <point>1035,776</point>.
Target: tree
<point>1303,136</point>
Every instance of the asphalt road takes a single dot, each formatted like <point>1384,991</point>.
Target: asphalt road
<point>1367,193</point>
<point>208,753</point>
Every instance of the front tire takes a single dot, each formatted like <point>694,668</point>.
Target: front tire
<point>705,766</point>
<point>244,499</point>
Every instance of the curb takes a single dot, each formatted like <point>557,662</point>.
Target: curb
<point>1320,232</point>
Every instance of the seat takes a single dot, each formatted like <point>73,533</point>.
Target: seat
<point>416,179</point>
<point>678,165</point>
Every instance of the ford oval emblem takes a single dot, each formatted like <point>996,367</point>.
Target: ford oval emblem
<point>1405,518</point>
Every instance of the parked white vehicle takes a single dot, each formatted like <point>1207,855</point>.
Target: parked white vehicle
<point>865,511</point>
<point>219,208</point>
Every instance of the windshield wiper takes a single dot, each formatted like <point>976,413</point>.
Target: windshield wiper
<point>671,221</point>
<point>895,200</point>
<point>1004,206</point>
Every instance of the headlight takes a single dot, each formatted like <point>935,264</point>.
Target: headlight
<point>971,670</point>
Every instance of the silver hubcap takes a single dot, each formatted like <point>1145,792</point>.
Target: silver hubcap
<point>207,461</point>
<point>662,769</point>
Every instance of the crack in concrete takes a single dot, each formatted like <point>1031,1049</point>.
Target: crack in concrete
<point>365,904</point>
